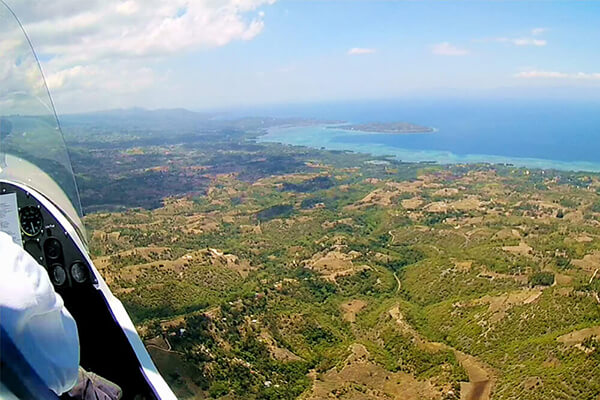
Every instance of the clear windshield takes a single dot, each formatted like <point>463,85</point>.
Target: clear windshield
<point>32,148</point>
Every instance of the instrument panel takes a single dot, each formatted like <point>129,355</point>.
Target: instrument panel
<point>48,242</point>
<point>102,337</point>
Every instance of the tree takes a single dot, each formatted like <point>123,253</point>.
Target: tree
<point>541,279</point>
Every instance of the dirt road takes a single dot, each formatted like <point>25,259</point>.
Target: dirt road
<point>481,377</point>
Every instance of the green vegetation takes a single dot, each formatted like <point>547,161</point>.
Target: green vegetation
<point>278,211</point>
<point>541,278</point>
<point>273,272</point>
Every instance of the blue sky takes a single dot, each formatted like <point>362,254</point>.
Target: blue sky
<point>259,51</point>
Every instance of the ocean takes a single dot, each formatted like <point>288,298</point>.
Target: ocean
<point>532,133</point>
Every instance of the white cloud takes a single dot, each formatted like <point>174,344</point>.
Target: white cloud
<point>528,42</point>
<point>538,31</point>
<point>137,28</point>
<point>535,74</point>
<point>93,77</point>
<point>447,49</point>
<point>360,50</point>
<point>112,46</point>
<point>524,41</point>
<point>532,40</point>
<point>127,7</point>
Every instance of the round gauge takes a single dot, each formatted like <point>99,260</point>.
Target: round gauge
<point>31,220</point>
<point>53,249</point>
<point>79,272</point>
<point>59,275</point>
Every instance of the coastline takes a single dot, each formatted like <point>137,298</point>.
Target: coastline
<point>313,137</point>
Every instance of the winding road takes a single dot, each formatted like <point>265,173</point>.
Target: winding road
<point>398,281</point>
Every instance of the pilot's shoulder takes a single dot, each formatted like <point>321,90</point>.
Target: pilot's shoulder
<point>24,283</point>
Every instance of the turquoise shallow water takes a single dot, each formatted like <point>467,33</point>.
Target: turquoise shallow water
<point>546,133</point>
<point>379,144</point>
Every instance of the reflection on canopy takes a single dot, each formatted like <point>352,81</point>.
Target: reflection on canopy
<point>29,129</point>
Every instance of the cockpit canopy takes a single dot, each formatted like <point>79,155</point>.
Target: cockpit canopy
<point>32,147</point>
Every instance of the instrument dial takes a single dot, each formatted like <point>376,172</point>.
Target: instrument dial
<point>79,272</point>
<point>59,275</point>
<point>53,249</point>
<point>31,220</point>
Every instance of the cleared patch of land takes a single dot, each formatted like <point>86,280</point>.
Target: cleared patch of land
<point>351,308</point>
<point>359,378</point>
<point>576,337</point>
<point>335,263</point>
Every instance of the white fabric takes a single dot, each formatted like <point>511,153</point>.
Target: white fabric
<point>35,318</point>
<point>6,394</point>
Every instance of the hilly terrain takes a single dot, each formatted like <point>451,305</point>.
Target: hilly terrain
<point>273,272</point>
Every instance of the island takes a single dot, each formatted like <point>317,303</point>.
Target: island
<point>386,127</point>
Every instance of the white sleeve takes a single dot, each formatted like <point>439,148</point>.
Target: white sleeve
<point>35,318</point>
